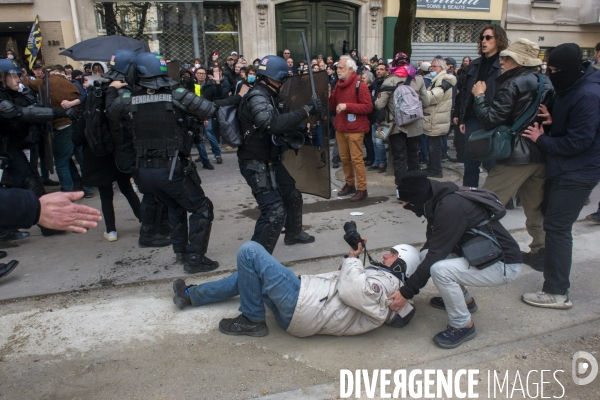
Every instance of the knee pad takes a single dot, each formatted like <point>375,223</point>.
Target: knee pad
<point>199,239</point>
<point>294,200</point>
<point>270,233</point>
<point>276,214</point>
<point>206,210</point>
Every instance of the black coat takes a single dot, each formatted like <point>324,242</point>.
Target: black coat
<point>516,93</point>
<point>466,99</point>
<point>19,209</point>
<point>96,171</point>
<point>449,216</point>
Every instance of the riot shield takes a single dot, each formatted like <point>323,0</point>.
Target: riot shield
<point>310,167</point>
<point>173,69</point>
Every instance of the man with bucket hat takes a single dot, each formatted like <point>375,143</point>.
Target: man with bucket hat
<point>525,169</point>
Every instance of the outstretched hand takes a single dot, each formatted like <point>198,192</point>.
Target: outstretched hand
<point>534,132</point>
<point>59,212</point>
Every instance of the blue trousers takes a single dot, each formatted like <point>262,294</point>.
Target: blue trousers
<point>260,279</point>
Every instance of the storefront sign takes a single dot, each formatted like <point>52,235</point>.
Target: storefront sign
<point>455,5</point>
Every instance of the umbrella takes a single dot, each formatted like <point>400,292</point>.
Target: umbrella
<point>102,48</point>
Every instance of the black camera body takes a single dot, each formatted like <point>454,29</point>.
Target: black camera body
<point>352,237</point>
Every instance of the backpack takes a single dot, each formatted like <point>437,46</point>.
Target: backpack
<point>407,105</point>
<point>487,199</point>
<point>97,129</point>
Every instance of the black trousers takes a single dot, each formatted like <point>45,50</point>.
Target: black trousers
<point>435,153</point>
<point>268,198</point>
<point>563,201</point>
<point>368,142</point>
<point>405,154</point>
<point>106,200</point>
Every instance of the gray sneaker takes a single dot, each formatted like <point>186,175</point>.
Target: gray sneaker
<point>547,300</point>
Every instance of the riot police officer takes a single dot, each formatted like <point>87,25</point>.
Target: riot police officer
<point>269,128</point>
<point>20,133</point>
<point>155,225</point>
<point>162,149</point>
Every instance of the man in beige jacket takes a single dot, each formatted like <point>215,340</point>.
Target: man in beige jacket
<point>349,301</point>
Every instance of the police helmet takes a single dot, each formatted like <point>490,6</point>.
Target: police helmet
<point>150,65</point>
<point>120,64</point>
<point>9,67</point>
<point>273,67</point>
<point>408,260</point>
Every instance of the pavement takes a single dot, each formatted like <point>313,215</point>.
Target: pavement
<point>84,318</point>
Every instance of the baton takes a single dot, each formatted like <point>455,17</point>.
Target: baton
<point>310,72</point>
<point>173,164</point>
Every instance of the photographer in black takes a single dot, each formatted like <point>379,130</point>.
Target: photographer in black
<point>269,128</point>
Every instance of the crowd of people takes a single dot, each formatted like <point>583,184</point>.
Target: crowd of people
<point>155,120</point>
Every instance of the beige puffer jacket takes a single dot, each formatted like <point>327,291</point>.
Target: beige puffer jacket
<point>436,117</point>
<point>351,301</point>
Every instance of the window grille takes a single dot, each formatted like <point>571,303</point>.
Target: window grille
<point>171,28</point>
<point>447,30</point>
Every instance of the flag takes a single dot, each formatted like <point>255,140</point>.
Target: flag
<point>34,43</point>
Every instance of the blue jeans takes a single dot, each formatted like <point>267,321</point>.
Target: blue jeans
<point>259,280</point>
<point>563,201</point>
<point>471,176</point>
<point>202,153</point>
<point>214,145</point>
<point>63,147</point>
<point>379,146</point>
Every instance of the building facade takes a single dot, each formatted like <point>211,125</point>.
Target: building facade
<point>184,30</point>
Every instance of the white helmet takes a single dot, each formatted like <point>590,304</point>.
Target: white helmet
<point>408,255</point>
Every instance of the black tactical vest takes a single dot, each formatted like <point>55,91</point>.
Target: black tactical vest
<point>259,146</point>
<point>158,128</point>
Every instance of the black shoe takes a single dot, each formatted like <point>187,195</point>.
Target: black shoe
<point>156,240</point>
<point>373,168</point>
<point>89,195</point>
<point>438,302</point>
<point>14,235</point>
<point>208,166</point>
<point>180,258</point>
<point>431,174</point>
<point>535,261</point>
<point>335,165</point>
<point>595,217</point>
<point>195,263</point>
<point>198,160</point>
<point>510,205</point>
<point>50,182</point>
<point>182,297</point>
<point>454,337</point>
<point>50,232</point>
<point>6,269</point>
<point>3,254</point>
<point>368,163</point>
<point>219,160</point>
<point>243,326</point>
<point>302,238</point>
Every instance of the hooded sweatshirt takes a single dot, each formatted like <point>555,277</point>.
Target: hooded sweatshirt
<point>449,216</point>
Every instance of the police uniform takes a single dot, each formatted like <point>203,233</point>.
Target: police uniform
<point>162,149</point>
<point>268,127</point>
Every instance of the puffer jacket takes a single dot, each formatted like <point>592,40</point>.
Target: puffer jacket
<point>385,100</point>
<point>347,302</point>
<point>516,93</point>
<point>436,117</point>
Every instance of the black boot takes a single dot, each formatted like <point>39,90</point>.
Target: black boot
<point>149,239</point>
<point>50,232</point>
<point>195,263</point>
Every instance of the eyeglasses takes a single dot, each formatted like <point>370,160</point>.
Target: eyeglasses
<point>486,37</point>
<point>435,66</point>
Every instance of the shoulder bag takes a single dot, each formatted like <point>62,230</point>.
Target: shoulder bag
<point>497,143</point>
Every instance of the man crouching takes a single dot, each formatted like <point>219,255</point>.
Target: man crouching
<point>349,301</point>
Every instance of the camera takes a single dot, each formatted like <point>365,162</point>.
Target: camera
<point>352,237</point>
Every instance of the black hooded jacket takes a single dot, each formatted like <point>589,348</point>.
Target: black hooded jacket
<point>449,216</point>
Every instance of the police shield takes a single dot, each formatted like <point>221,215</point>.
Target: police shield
<point>173,69</point>
<point>310,167</point>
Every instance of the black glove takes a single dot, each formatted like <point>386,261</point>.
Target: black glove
<point>314,107</point>
<point>73,114</point>
<point>59,113</point>
<point>8,110</point>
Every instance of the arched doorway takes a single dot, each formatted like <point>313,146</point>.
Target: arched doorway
<point>326,25</point>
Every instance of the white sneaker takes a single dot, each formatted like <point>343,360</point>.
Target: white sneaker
<point>547,300</point>
<point>110,236</point>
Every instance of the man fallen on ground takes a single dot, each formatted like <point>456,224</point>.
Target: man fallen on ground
<point>450,216</point>
<point>350,301</point>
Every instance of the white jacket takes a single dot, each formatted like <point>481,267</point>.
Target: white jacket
<point>436,117</point>
<point>346,302</point>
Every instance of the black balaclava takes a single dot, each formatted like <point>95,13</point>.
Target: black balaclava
<point>416,189</point>
<point>567,58</point>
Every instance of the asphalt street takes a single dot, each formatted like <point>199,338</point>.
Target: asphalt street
<point>84,318</point>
